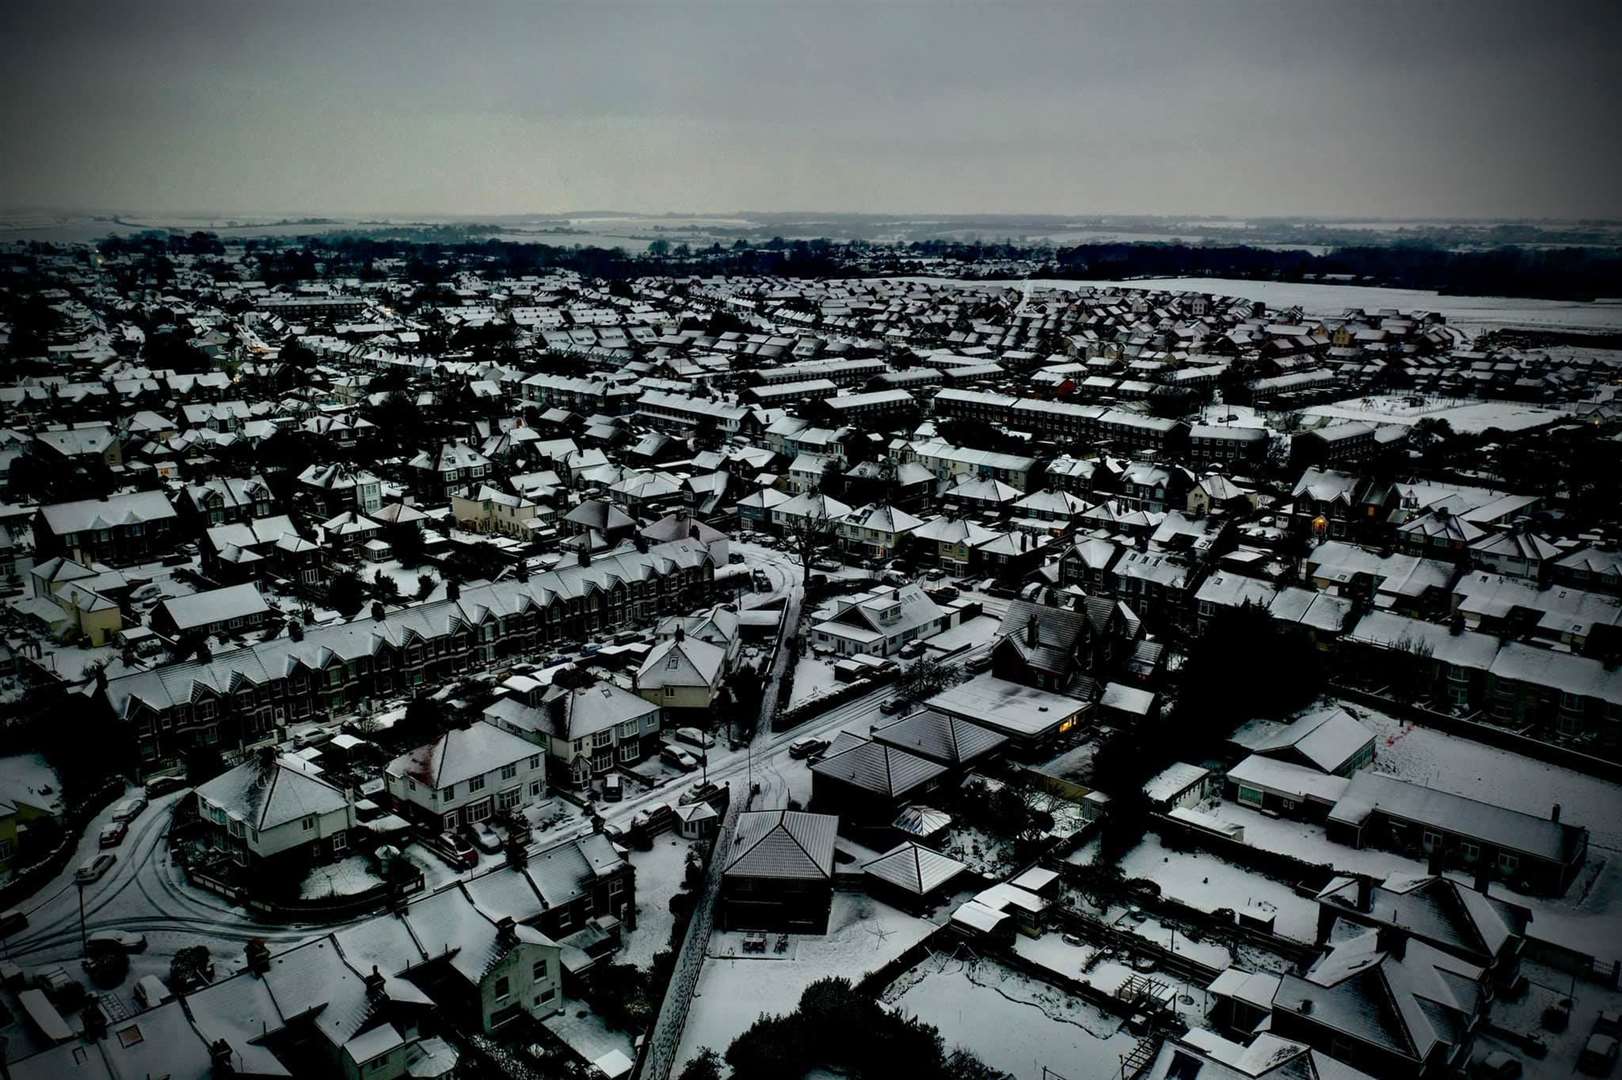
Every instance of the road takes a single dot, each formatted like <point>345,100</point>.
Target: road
<point>144,891</point>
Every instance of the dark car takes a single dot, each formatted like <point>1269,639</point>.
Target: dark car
<point>456,852</point>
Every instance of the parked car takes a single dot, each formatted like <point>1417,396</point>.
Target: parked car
<point>827,565</point>
<point>163,785</point>
<point>679,758</point>
<point>910,650</point>
<point>807,747</point>
<point>761,579</point>
<point>978,664</point>
<point>484,836</point>
<point>113,833</point>
<point>699,793</point>
<point>150,992</point>
<point>935,575</point>
<point>892,706</point>
<point>613,787</point>
<point>943,595</point>
<point>92,869</point>
<point>12,921</point>
<point>129,809</point>
<point>692,736</point>
<point>456,852</point>
<point>126,940</point>
<point>1497,1065</point>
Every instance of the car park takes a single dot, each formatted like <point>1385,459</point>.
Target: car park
<point>93,869</point>
<point>113,833</point>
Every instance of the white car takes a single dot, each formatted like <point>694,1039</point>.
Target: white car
<point>117,939</point>
<point>92,869</point>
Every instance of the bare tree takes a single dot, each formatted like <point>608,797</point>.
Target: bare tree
<point>807,533</point>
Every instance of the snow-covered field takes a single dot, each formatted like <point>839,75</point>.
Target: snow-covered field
<point>1464,416</point>
<point>1471,313</point>
<point>1205,882</point>
<point>1478,771</point>
<point>1011,1021</point>
<point>863,935</point>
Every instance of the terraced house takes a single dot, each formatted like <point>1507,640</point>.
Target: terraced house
<point>240,695</point>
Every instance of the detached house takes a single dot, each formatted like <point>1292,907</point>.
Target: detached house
<point>682,673</point>
<point>276,812</point>
<point>880,622</point>
<point>466,776</point>
<point>120,529</point>
<point>587,730</point>
<point>449,471</point>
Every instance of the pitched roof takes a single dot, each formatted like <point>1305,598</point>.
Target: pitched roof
<point>873,766</point>
<point>785,844</point>
<point>914,868</point>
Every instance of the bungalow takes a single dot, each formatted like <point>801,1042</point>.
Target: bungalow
<point>881,621</point>
<point>1332,741</point>
<point>911,873</point>
<point>1030,718</point>
<point>858,778</point>
<point>941,737</point>
<point>233,610</point>
<point>1538,855</point>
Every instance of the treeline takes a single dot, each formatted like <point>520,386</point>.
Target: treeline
<point>1567,273</point>
<point>1552,273</point>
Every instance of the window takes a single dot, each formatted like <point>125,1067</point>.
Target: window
<point>475,784</point>
<point>1432,840</point>
<point>509,771</point>
<point>1250,796</point>
<point>502,988</point>
<point>535,787</point>
<point>1471,851</point>
<point>1508,863</point>
<point>448,792</point>
<point>538,973</point>
<point>535,761</point>
<point>308,823</point>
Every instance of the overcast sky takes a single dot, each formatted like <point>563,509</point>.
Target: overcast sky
<point>1415,109</point>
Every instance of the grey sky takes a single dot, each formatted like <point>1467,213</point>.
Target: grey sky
<point>1411,109</point>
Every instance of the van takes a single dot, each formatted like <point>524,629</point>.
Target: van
<point>613,787</point>
<point>150,992</point>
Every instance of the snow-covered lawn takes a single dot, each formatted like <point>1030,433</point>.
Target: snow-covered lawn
<point>1464,415</point>
<point>977,631</point>
<point>1141,925</point>
<point>659,874</point>
<point>863,935</point>
<point>1478,771</point>
<point>1012,1021</point>
<point>1205,882</point>
<point>812,676</point>
<point>346,877</point>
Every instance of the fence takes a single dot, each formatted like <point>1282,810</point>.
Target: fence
<point>657,1056</point>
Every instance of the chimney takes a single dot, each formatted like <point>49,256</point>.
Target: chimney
<point>219,1056</point>
<point>374,984</point>
<point>1484,863</point>
<point>1365,892</point>
<point>1554,814</point>
<point>1436,859</point>
<point>1392,940</point>
<point>585,553</point>
<point>641,542</point>
<point>681,632</point>
<point>1033,632</point>
<point>377,610</point>
<point>453,590</point>
<point>258,956</point>
<point>506,930</point>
